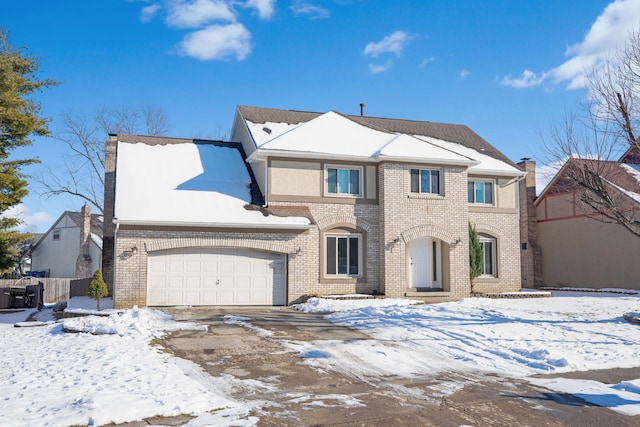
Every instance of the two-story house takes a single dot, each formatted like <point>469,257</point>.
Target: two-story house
<point>304,203</point>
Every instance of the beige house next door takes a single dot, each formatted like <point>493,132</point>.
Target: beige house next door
<point>216,276</point>
<point>425,263</point>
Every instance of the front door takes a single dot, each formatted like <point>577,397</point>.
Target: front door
<point>425,258</point>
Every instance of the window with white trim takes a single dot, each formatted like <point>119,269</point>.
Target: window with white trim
<point>425,181</point>
<point>480,192</point>
<point>489,252</point>
<point>343,181</point>
<point>343,255</point>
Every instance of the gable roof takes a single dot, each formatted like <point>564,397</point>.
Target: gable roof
<point>621,177</point>
<point>97,223</point>
<point>173,181</point>
<point>311,134</point>
<point>334,136</point>
<point>459,134</point>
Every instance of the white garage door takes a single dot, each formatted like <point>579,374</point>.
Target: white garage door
<point>215,276</point>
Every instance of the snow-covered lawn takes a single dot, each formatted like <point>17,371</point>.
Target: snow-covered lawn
<point>54,378</point>
<point>573,331</point>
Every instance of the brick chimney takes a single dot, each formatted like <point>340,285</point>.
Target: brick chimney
<point>530,251</point>
<point>83,262</point>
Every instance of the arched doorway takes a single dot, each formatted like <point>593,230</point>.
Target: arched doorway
<point>425,263</point>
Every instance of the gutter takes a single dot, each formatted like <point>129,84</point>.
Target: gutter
<point>260,155</point>
<point>213,225</point>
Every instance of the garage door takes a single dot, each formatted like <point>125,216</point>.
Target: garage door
<point>215,276</point>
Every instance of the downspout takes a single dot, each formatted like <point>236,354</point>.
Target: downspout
<point>115,258</point>
<point>266,182</point>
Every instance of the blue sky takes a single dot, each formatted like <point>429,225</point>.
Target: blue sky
<point>506,69</point>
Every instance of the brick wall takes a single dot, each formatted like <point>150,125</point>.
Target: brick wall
<point>131,265</point>
<point>406,216</point>
<point>531,256</point>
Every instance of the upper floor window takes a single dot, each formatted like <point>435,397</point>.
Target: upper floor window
<point>489,250</point>
<point>425,181</point>
<point>480,192</point>
<point>344,181</point>
<point>343,255</point>
<point>56,234</point>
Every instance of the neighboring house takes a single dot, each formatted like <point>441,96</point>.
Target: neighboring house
<point>305,204</point>
<point>72,247</point>
<point>578,249</point>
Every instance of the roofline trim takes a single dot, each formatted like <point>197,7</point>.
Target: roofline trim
<point>214,224</point>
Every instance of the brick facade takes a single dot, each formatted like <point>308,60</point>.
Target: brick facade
<point>530,251</point>
<point>388,227</point>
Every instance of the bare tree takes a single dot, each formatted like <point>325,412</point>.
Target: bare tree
<point>82,173</point>
<point>590,144</point>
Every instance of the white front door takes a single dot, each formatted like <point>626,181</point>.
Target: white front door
<point>425,258</point>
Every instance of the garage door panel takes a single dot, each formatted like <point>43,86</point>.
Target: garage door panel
<point>193,266</point>
<point>175,266</point>
<point>216,276</point>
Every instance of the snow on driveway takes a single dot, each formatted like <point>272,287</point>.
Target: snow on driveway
<point>510,337</point>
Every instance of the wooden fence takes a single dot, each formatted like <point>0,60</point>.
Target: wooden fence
<point>55,289</point>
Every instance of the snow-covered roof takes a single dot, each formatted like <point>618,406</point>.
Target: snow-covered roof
<point>485,164</point>
<point>333,135</point>
<point>187,183</point>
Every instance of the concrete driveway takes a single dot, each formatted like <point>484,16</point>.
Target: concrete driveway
<point>294,393</point>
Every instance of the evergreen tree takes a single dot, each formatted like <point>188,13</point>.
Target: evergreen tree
<point>476,255</point>
<point>97,288</point>
<point>19,119</point>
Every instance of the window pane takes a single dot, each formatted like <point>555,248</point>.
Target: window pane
<point>343,181</point>
<point>479,192</point>
<point>354,178</point>
<point>435,182</point>
<point>415,181</point>
<point>488,192</point>
<point>470,192</point>
<point>353,255</point>
<point>331,255</point>
<point>332,180</point>
<point>425,182</point>
<point>434,260</point>
<point>342,255</point>
<point>488,257</point>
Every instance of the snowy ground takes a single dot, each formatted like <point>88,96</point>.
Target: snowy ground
<point>573,331</point>
<point>112,374</point>
<point>55,378</point>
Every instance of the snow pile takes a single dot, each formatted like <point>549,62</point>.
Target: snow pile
<point>326,305</point>
<point>143,322</point>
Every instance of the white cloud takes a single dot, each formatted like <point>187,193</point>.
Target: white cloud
<point>301,7</point>
<point>264,7</point>
<point>606,34</point>
<point>196,13</point>
<point>463,74</point>
<point>393,43</point>
<point>218,42</point>
<point>527,79</point>
<point>150,12</point>
<point>28,220</point>
<point>427,61</point>
<point>376,69</point>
